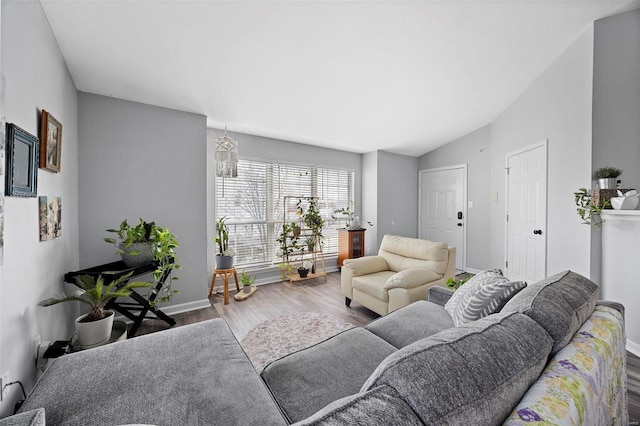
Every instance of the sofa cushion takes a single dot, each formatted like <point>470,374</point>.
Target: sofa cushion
<point>303,382</point>
<point>373,284</point>
<point>478,371</point>
<point>404,253</point>
<point>560,303</point>
<point>484,294</point>
<point>379,406</point>
<point>34,417</point>
<point>411,323</point>
<point>194,374</point>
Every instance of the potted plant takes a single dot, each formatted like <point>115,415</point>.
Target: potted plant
<point>247,281</point>
<point>94,328</point>
<point>313,220</point>
<point>349,213</point>
<point>587,210</point>
<point>135,242</point>
<point>145,243</point>
<point>224,257</point>
<point>606,177</point>
<point>454,284</point>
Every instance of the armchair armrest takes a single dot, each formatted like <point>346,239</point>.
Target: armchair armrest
<point>412,278</point>
<point>366,265</point>
<point>439,295</point>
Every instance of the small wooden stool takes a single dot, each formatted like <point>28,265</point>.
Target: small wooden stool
<point>225,273</point>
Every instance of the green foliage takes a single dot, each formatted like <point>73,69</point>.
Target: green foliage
<point>96,294</point>
<point>454,284</point>
<point>588,212</point>
<point>287,269</point>
<point>222,238</point>
<point>288,240</point>
<point>607,172</point>
<point>348,213</point>
<point>163,244</point>
<point>246,279</point>
<point>313,220</point>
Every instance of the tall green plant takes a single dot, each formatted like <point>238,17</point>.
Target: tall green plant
<point>95,294</point>
<point>222,237</point>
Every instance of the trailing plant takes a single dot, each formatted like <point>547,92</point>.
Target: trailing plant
<point>588,211</point>
<point>246,279</point>
<point>286,269</point>
<point>454,284</point>
<point>288,240</point>
<point>95,294</point>
<point>607,172</point>
<point>313,220</point>
<point>222,238</point>
<point>162,243</point>
<point>348,213</point>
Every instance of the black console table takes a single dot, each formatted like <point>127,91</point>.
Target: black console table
<point>137,310</point>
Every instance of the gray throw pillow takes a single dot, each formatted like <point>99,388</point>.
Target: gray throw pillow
<point>484,294</point>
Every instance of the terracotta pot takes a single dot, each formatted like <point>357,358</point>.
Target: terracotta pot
<point>92,334</point>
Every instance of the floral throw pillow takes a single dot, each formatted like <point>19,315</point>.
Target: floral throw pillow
<point>484,294</point>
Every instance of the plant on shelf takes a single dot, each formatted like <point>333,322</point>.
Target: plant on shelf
<point>349,214</point>
<point>313,220</point>
<point>288,240</point>
<point>247,281</point>
<point>606,177</point>
<point>587,210</point>
<point>96,294</point>
<point>224,257</point>
<point>144,243</point>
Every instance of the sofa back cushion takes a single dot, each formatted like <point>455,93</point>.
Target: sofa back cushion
<point>484,294</point>
<point>560,303</point>
<point>404,252</point>
<point>475,373</point>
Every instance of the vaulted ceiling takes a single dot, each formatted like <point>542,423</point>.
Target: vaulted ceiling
<point>399,76</point>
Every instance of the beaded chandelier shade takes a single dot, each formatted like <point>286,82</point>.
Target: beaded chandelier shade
<point>226,156</point>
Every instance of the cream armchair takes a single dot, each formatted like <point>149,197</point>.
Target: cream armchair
<point>400,274</point>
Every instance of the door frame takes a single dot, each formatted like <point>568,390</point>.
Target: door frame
<point>421,174</point>
<point>541,144</point>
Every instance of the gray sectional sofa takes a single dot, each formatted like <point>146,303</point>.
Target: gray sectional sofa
<point>553,353</point>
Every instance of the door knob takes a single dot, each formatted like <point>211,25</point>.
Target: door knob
<point>537,232</point>
<point>459,224</point>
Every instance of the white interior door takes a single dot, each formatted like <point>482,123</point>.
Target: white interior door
<point>526,220</point>
<point>442,208</point>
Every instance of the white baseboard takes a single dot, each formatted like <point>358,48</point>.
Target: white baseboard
<point>633,347</point>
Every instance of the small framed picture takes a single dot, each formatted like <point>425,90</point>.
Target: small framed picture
<point>50,143</point>
<point>22,162</point>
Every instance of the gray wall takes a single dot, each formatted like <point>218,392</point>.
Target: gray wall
<point>141,161</point>
<point>616,95</point>
<point>36,78</point>
<point>557,106</point>
<point>473,149</point>
<point>397,194</point>
<point>370,201</point>
<point>267,149</point>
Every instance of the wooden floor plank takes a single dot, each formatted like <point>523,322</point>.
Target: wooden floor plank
<point>319,296</point>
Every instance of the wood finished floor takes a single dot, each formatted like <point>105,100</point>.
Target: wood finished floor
<point>316,295</point>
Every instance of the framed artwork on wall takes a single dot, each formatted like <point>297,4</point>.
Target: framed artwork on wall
<point>22,163</point>
<point>50,143</point>
<point>50,212</point>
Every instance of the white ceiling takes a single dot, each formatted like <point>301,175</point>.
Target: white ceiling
<point>399,76</point>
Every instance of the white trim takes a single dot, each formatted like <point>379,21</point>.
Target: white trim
<point>542,144</point>
<point>465,203</point>
<point>620,215</point>
<point>473,271</point>
<point>633,347</point>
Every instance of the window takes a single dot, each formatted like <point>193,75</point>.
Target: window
<point>253,205</point>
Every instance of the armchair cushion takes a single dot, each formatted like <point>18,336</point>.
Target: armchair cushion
<point>366,265</point>
<point>404,253</point>
<point>373,284</point>
<point>411,278</point>
<point>484,294</point>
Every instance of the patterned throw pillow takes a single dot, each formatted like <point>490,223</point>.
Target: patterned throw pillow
<point>484,294</point>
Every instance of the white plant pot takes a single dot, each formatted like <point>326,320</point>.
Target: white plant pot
<point>94,333</point>
<point>247,289</point>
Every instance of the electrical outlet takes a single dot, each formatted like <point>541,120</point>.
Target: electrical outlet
<point>4,380</point>
<point>38,342</point>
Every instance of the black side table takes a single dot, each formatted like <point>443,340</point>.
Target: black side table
<point>137,310</point>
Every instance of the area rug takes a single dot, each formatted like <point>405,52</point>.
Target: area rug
<point>280,336</point>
